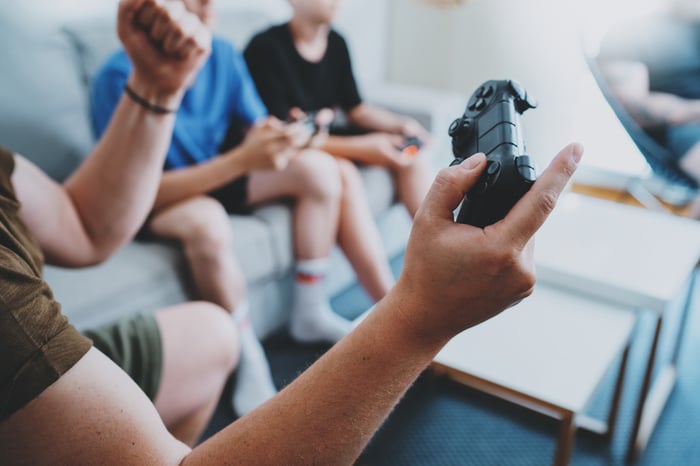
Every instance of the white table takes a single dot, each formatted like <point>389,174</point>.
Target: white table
<point>549,353</point>
<point>641,259</point>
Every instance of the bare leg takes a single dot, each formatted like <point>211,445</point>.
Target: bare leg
<point>358,235</point>
<point>202,226</point>
<point>413,182</point>
<point>313,181</point>
<point>200,350</point>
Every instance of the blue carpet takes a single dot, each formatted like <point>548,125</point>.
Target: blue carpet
<point>442,423</point>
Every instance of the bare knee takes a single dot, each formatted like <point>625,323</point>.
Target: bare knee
<point>318,175</point>
<point>208,230</point>
<point>349,173</point>
<point>216,325</point>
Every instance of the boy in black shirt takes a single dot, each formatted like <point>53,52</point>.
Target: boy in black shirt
<point>305,65</point>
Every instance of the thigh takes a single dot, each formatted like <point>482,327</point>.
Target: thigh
<point>94,414</point>
<point>189,217</point>
<point>309,172</point>
<point>200,350</point>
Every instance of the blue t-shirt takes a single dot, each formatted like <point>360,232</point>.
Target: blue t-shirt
<point>222,96</point>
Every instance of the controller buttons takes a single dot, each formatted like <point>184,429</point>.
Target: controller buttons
<point>456,161</point>
<point>485,92</point>
<point>478,105</point>
<point>493,168</point>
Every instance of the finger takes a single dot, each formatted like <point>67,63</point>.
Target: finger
<point>450,185</point>
<point>177,29</point>
<point>187,25</point>
<point>325,117</point>
<point>296,113</point>
<point>528,215</point>
<point>141,12</point>
<point>396,141</point>
<point>160,25</point>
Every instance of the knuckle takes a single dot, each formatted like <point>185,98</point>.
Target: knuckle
<point>547,201</point>
<point>569,168</point>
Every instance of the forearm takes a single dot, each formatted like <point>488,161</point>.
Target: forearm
<point>177,185</point>
<point>131,151</point>
<point>350,147</point>
<point>376,119</point>
<point>660,109</point>
<point>330,412</point>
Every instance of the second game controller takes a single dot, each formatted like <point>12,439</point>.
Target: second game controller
<point>411,146</point>
<point>491,124</point>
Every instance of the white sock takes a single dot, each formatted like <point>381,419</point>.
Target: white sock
<point>312,318</point>
<point>254,384</point>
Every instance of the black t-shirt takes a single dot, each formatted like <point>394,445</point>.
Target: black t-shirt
<point>284,79</point>
<point>668,45</point>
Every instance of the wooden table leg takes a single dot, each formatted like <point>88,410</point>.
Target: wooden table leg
<point>565,440</point>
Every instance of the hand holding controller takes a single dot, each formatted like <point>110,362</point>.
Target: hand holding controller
<point>491,124</point>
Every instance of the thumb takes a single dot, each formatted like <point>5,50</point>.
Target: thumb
<point>450,185</point>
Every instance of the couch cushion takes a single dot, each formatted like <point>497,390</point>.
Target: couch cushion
<point>43,107</point>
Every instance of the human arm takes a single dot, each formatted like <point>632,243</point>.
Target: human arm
<point>629,82</point>
<point>375,118</point>
<point>455,276</point>
<point>105,201</point>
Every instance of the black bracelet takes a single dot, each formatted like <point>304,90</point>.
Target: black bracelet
<point>146,104</point>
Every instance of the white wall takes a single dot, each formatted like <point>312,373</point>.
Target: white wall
<point>362,21</point>
<point>534,41</point>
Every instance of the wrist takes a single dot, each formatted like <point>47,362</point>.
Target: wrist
<point>237,160</point>
<point>412,319</point>
<point>154,94</point>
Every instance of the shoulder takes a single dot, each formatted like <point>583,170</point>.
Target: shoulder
<point>271,38</point>
<point>335,38</point>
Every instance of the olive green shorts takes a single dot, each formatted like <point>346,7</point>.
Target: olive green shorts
<point>134,344</point>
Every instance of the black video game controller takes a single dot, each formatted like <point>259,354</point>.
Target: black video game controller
<point>310,123</point>
<point>491,124</point>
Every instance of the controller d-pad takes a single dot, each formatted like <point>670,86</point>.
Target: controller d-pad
<point>485,92</point>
